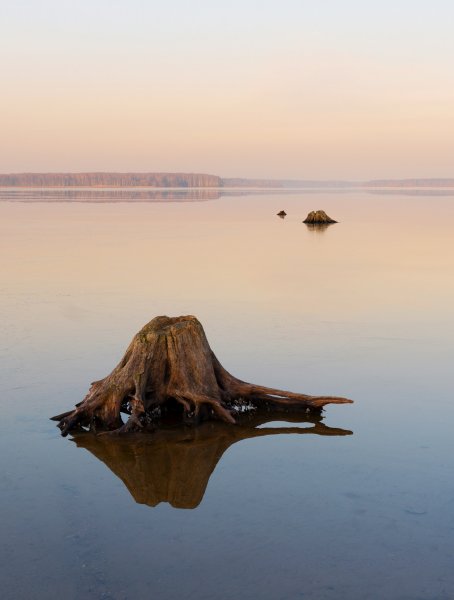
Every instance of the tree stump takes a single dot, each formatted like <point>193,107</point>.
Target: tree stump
<point>282,214</point>
<point>318,217</point>
<point>170,367</point>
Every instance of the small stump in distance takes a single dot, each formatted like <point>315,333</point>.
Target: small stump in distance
<point>318,217</point>
<point>169,368</point>
<point>282,214</point>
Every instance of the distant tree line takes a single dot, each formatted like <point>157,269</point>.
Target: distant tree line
<point>164,180</point>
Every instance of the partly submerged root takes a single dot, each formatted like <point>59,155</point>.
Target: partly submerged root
<point>170,364</point>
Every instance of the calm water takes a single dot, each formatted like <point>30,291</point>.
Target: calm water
<point>362,507</point>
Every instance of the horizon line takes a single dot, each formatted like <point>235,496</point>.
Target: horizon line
<point>179,179</point>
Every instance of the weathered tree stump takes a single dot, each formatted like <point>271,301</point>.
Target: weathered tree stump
<point>282,214</point>
<point>170,367</point>
<point>318,217</point>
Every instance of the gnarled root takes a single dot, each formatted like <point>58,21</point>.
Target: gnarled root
<point>170,363</point>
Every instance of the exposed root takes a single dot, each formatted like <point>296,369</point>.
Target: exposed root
<point>170,361</point>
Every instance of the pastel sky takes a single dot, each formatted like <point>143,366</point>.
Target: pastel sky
<point>255,88</point>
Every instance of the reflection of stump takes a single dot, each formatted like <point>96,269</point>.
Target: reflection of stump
<point>318,217</point>
<point>174,465</point>
<point>169,367</point>
<point>318,227</point>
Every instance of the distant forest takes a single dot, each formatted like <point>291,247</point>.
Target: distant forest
<point>161,180</point>
<point>199,180</point>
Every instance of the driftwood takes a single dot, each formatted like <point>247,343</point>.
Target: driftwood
<point>318,217</point>
<point>169,367</point>
<point>175,464</point>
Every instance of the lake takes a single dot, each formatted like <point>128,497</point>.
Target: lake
<point>361,506</point>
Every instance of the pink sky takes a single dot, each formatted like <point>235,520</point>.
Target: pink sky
<point>245,90</point>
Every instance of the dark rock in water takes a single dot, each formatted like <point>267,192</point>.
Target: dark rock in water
<point>318,217</point>
<point>282,214</point>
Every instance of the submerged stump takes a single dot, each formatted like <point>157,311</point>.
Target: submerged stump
<point>169,367</point>
<point>318,217</point>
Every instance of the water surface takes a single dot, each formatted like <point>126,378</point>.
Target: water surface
<point>361,309</point>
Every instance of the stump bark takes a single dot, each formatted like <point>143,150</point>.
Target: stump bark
<point>169,367</point>
<point>318,217</point>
